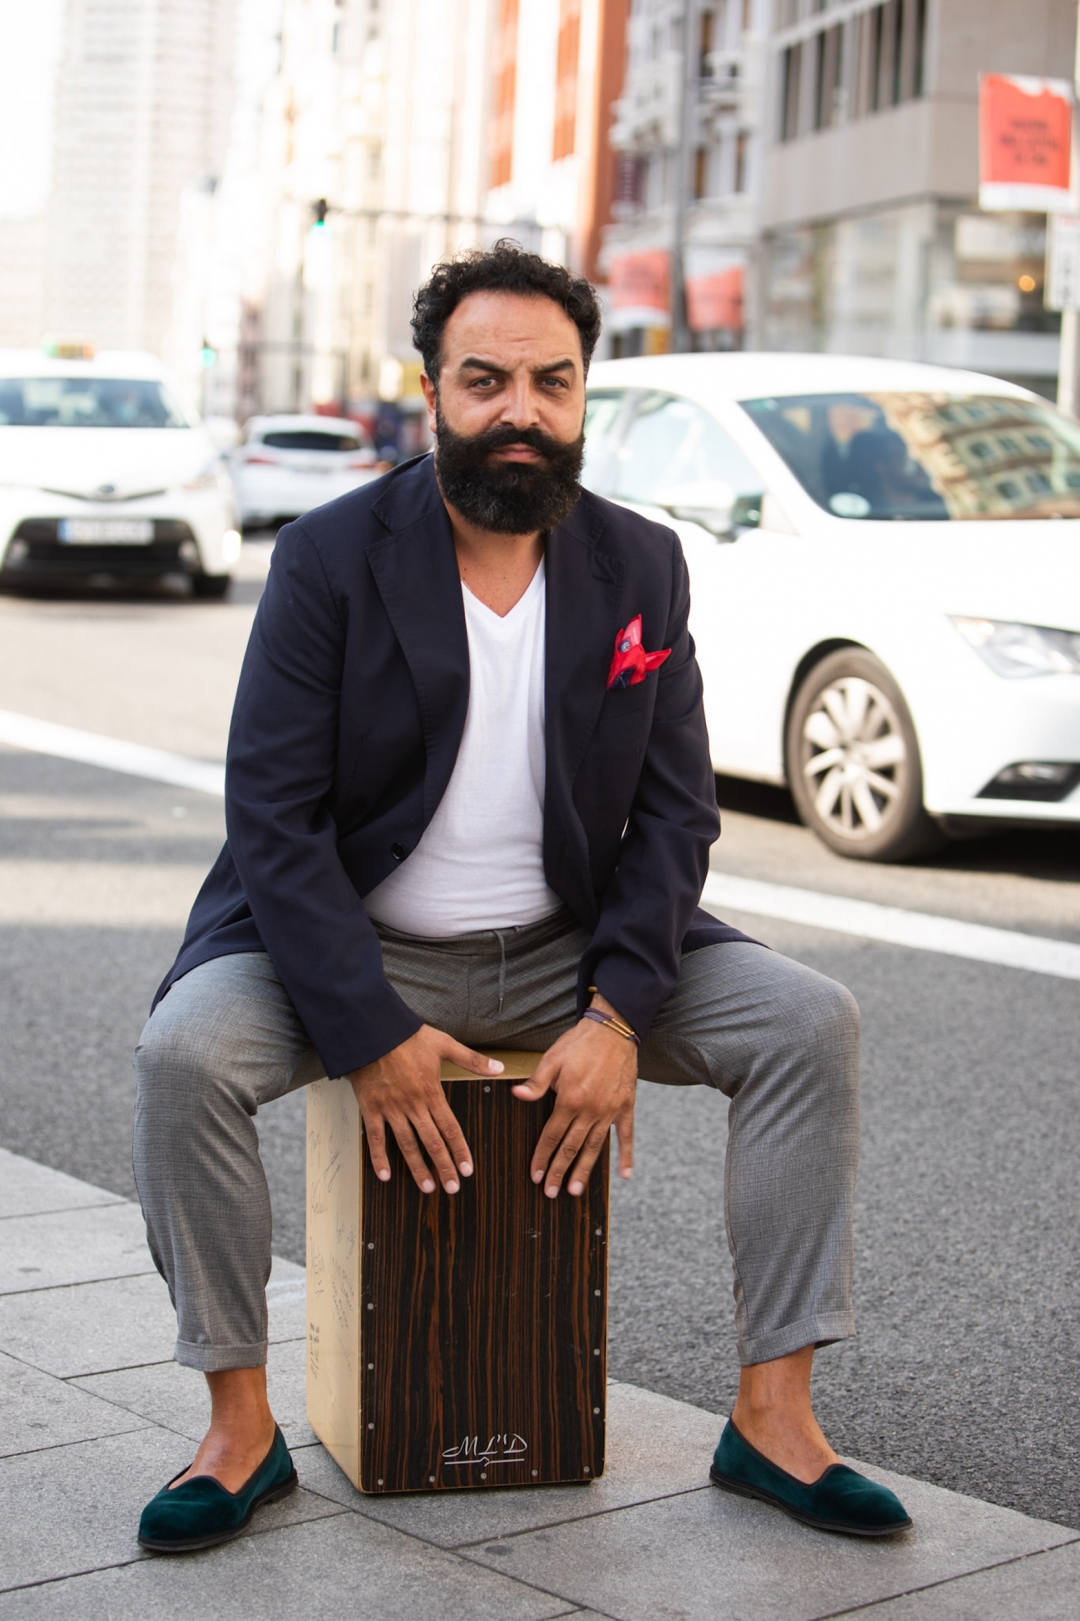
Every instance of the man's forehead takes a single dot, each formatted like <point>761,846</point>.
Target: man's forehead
<point>508,328</point>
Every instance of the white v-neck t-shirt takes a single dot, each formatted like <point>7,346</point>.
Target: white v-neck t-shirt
<point>479,863</point>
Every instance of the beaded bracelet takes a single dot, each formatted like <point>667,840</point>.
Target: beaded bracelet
<point>613,1023</point>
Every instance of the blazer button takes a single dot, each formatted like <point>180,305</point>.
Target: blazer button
<point>398,851</point>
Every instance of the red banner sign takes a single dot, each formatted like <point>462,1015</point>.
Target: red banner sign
<point>641,281</point>
<point>715,302</point>
<point>1025,142</point>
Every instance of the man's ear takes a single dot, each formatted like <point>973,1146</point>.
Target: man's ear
<point>431,399</point>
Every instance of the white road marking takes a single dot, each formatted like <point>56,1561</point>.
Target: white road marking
<point>867,920</point>
<point>90,748</point>
<point>921,931</point>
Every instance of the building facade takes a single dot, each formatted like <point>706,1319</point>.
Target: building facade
<point>872,241</point>
<point>142,109</point>
<point>394,136</point>
<point>688,128</point>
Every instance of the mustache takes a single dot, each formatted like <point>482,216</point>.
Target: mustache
<point>504,433</point>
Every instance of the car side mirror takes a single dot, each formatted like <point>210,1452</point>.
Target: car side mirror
<point>714,505</point>
<point>708,502</point>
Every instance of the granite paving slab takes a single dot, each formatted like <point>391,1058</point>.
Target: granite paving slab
<point>44,1251</point>
<point>38,1411</point>
<point>90,1327</point>
<point>79,1506</point>
<point>656,1447</point>
<point>122,1322</point>
<point>28,1189</point>
<point>709,1556</point>
<point>1042,1587</point>
<point>177,1398</point>
<point>343,1569</point>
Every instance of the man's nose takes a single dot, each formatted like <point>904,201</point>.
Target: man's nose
<point>519,404</point>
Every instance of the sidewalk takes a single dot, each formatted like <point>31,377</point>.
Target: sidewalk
<point>94,1417</point>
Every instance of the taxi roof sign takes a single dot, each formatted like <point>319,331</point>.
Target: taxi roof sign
<point>68,351</point>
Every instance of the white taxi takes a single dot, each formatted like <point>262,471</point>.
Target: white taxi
<point>884,564</point>
<point>103,473</point>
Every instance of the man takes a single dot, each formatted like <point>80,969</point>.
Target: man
<point>469,802</point>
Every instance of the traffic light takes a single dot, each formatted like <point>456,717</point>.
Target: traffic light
<point>320,208</point>
<point>208,354</point>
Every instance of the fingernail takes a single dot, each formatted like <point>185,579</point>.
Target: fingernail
<point>383,1175</point>
<point>427,1186</point>
<point>627,1172</point>
<point>576,1188</point>
<point>552,1193</point>
<point>495,1067</point>
<point>537,1176</point>
<point>465,1168</point>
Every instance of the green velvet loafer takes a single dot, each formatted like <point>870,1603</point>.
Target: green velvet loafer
<point>201,1513</point>
<point>839,1500</point>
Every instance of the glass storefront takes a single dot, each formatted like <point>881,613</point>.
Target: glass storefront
<point>936,281</point>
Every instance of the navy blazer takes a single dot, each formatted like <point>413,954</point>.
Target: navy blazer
<point>348,717</point>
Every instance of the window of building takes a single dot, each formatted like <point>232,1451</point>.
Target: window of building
<point>701,173</point>
<point>504,67</point>
<point>829,77</point>
<point>705,43</point>
<point>566,78</point>
<point>789,98</point>
<point>742,152</point>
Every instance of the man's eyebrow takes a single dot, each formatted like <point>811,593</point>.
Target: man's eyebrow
<point>475,363</point>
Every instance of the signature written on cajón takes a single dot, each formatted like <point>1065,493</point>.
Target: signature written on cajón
<point>499,1449</point>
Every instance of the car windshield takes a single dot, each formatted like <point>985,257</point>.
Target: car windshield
<point>309,439</point>
<point>87,402</point>
<point>927,456</point>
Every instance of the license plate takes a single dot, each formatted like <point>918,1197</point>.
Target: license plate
<point>106,531</point>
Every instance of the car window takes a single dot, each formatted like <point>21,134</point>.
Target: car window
<point>927,456</point>
<point>309,439</point>
<point>87,402</point>
<point>674,453</point>
<point>602,414</point>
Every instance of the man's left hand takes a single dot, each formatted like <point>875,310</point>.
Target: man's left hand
<point>593,1072</point>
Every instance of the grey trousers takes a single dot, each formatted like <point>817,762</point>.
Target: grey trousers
<point>776,1038</point>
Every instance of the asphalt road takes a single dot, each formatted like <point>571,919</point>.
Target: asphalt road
<point>965,1370</point>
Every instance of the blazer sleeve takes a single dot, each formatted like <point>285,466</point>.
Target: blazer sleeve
<point>278,776</point>
<point>634,955</point>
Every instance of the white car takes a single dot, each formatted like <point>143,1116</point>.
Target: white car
<point>103,473</point>
<point>289,464</point>
<point>884,563</point>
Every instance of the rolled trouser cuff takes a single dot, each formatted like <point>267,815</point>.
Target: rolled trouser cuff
<point>820,1330</point>
<point>219,1358</point>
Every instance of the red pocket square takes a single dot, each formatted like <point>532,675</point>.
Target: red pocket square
<point>631,664</point>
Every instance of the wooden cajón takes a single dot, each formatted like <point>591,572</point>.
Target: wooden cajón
<point>457,1341</point>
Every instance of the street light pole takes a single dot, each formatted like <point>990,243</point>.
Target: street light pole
<point>680,327</point>
<point>1068,395</point>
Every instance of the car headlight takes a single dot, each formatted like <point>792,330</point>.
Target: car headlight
<point>208,477</point>
<point>1017,650</point>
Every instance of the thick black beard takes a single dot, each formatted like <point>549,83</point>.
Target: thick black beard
<point>508,498</point>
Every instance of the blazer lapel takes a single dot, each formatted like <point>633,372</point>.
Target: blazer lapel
<point>584,586</point>
<point>416,572</point>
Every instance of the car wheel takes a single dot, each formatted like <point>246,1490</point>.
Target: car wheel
<point>211,587</point>
<point>853,761</point>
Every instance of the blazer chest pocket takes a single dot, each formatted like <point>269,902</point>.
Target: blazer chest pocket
<point>622,702</point>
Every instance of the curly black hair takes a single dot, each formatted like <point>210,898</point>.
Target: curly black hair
<point>505,268</point>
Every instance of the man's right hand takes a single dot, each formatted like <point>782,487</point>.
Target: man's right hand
<point>402,1090</point>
